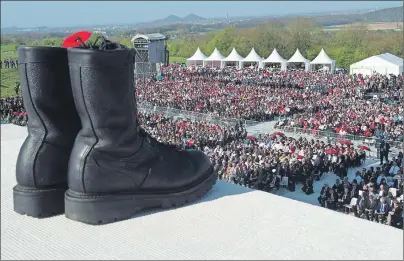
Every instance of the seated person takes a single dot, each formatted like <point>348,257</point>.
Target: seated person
<point>339,187</point>
<point>398,184</point>
<point>382,210</point>
<point>324,195</point>
<point>332,201</point>
<point>371,208</point>
<point>395,216</point>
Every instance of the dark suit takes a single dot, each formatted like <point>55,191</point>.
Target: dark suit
<point>371,209</point>
<point>399,187</point>
<point>382,211</point>
<point>384,152</point>
<point>324,195</point>
<point>340,189</point>
<point>396,219</point>
<point>332,200</point>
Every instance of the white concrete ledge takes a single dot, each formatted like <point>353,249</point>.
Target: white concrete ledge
<point>232,222</point>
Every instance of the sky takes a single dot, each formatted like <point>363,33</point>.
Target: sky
<point>81,13</point>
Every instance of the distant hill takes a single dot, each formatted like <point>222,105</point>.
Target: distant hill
<point>168,20</point>
<point>173,19</point>
<point>192,18</point>
<point>385,15</point>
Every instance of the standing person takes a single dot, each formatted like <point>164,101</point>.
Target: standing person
<point>17,88</point>
<point>384,151</point>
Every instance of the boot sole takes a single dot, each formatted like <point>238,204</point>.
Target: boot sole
<point>39,203</point>
<point>104,209</point>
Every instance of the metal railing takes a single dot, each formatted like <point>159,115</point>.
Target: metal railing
<point>193,115</point>
<point>333,135</point>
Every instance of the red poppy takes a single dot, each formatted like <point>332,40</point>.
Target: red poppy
<point>279,133</point>
<point>331,151</point>
<point>76,39</point>
<point>346,142</point>
<point>363,147</point>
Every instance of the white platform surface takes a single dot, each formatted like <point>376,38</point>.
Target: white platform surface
<point>231,222</point>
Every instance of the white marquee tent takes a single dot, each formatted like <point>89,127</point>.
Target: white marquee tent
<point>299,58</point>
<point>233,57</point>
<point>252,57</point>
<point>214,60</point>
<point>323,60</point>
<point>383,64</point>
<point>197,58</point>
<point>275,58</point>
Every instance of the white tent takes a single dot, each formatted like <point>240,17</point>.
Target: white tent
<point>197,58</point>
<point>383,64</point>
<point>233,57</point>
<point>214,60</point>
<point>299,58</point>
<point>324,60</point>
<point>252,57</point>
<point>275,58</point>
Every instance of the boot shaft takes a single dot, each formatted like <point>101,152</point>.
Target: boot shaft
<point>103,90</point>
<point>47,94</point>
<point>103,87</point>
<point>53,121</point>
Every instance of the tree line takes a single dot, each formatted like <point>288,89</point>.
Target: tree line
<point>347,45</point>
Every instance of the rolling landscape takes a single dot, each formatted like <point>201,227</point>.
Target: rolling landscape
<point>341,34</point>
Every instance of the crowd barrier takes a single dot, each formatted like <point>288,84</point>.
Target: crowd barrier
<point>170,112</point>
<point>372,141</point>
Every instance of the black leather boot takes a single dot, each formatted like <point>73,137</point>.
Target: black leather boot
<point>116,168</point>
<point>52,128</point>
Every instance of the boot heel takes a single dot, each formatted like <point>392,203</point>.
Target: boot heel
<point>38,203</point>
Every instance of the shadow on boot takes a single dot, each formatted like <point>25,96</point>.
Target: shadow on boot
<point>116,169</point>
<point>53,124</point>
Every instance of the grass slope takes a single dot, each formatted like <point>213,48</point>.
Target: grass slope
<point>8,79</point>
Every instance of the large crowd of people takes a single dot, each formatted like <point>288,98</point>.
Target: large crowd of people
<point>12,111</point>
<point>314,100</point>
<point>373,194</point>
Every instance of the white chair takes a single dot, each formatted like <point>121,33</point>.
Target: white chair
<point>393,191</point>
<point>352,204</point>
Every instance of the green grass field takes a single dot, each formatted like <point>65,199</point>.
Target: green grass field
<point>177,59</point>
<point>8,51</point>
<point>10,76</point>
<point>8,79</point>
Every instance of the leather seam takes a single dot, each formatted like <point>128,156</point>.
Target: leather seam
<point>43,125</point>
<point>117,172</point>
<point>88,150</point>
